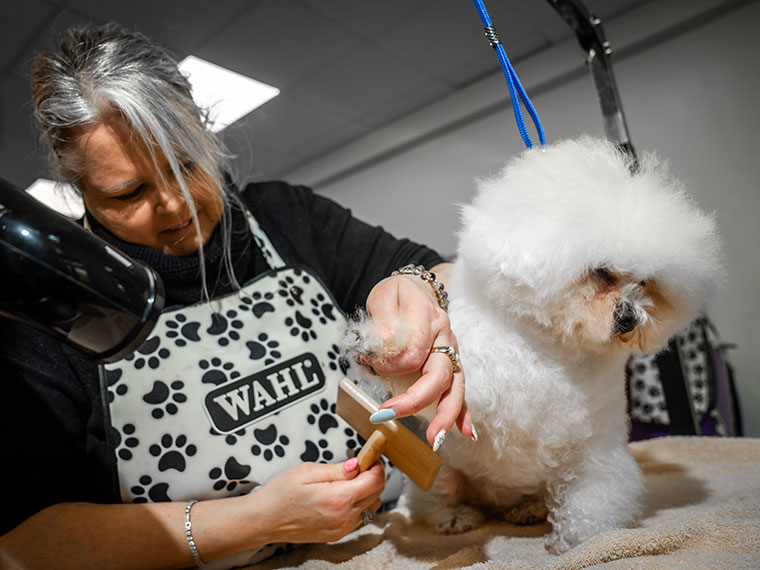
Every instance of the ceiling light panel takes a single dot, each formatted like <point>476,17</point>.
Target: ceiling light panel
<point>227,95</point>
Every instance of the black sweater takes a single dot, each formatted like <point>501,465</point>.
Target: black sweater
<point>52,432</point>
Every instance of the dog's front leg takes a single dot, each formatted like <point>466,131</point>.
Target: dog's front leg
<point>603,494</point>
<point>441,507</point>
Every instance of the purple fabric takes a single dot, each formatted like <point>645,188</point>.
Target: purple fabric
<point>724,400</point>
<point>640,431</point>
<point>708,426</point>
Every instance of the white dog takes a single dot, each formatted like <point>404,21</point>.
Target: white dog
<point>567,262</point>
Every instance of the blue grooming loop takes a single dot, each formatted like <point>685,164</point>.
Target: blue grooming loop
<point>596,49</point>
<point>516,91</point>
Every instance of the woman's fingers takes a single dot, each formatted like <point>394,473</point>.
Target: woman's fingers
<point>434,380</point>
<point>361,514</point>
<point>412,324</point>
<point>464,423</point>
<point>438,385</point>
<point>405,318</point>
<point>321,473</point>
<point>348,471</point>
<point>371,503</point>
<point>449,409</point>
<point>314,502</point>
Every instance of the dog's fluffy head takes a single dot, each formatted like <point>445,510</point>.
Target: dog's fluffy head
<point>569,238</point>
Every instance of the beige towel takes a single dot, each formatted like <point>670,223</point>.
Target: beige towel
<point>702,512</point>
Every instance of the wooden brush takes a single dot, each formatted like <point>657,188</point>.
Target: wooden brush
<point>399,444</point>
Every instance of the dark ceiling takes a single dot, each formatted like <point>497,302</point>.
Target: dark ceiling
<point>344,67</point>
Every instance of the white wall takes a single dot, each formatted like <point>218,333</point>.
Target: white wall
<point>687,73</point>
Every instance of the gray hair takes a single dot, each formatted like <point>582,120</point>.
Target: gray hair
<point>102,70</point>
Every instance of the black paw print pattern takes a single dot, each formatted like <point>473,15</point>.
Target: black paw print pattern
<point>269,444</point>
<point>337,360</point>
<point>113,377</point>
<point>217,372</point>
<point>289,289</point>
<point>263,347</point>
<point>157,493</point>
<point>647,398</point>
<point>124,444</point>
<point>322,309</point>
<point>692,352</point>
<point>300,325</point>
<point>225,327</point>
<point>320,306</point>
<point>170,452</point>
<point>231,476</point>
<point>324,415</point>
<point>181,330</point>
<point>354,442</point>
<point>317,452</point>
<point>258,304</point>
<point>149,354</point>
<point>229,438</point>
<point>165,398</point>
<point>264,250</point>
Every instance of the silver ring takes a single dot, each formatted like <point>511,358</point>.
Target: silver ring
<point>367,516</point>
<point>451,352</point>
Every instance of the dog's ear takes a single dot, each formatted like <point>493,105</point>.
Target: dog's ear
<point>520,271</point>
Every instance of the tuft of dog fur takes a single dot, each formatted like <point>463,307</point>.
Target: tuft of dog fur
<point>568,261</point>
<point>363,338</point>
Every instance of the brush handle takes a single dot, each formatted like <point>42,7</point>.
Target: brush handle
<point>404,449</point>
<point>372,450</point>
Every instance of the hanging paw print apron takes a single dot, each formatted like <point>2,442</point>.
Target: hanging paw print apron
<point>228,393</point>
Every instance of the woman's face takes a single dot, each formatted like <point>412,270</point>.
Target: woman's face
<point>124,192</point>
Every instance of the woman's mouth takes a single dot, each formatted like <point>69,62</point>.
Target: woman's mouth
<point>179,231</point>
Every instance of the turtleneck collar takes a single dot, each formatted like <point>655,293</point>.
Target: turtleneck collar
<point>182,275</point>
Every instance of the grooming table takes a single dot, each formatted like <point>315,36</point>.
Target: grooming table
<point>702,511</point>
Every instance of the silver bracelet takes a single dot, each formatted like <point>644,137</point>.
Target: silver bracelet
<point>440,294</point>
<point>189,534</point>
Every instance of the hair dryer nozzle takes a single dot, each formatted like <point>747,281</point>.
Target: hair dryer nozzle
<point>60,278</point>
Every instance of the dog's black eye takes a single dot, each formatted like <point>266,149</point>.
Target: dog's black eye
<point>604,274</point>
<point>642,283</point>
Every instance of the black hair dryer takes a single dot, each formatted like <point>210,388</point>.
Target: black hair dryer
<point>60,278</point>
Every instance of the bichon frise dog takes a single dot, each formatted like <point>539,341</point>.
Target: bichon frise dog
<point>568,261</point>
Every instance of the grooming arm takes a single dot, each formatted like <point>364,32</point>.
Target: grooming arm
<point>596,49</point>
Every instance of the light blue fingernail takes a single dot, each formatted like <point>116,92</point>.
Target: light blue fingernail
<point>381,416</point>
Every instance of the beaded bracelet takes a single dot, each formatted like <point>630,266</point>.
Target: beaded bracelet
<point>440,294</point>
<point>189,534</point>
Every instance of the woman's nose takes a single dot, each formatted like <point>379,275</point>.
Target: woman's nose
<point>170,200</point>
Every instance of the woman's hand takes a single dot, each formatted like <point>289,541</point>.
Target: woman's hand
<point>313,502</point>
<point>307,503</point>
<point>410,300</point>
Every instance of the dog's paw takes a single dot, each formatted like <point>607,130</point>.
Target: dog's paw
<point>568,533</point>
<point>526,513</point>
<point>555,543</point>
<point>458,519</point>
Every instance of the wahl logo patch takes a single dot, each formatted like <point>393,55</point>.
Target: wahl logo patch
<point>245,401</point>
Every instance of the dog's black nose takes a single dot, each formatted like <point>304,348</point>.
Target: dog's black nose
<point>625,318</point>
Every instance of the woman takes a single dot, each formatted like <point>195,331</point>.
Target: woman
<point>231,392</point>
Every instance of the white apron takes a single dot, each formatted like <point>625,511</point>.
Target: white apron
<point>228,393</point>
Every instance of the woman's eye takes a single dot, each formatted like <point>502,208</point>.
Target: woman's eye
<point>187,166</point>
<point>133,194</point>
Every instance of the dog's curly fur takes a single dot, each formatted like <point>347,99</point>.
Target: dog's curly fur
<point>567,262</point>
